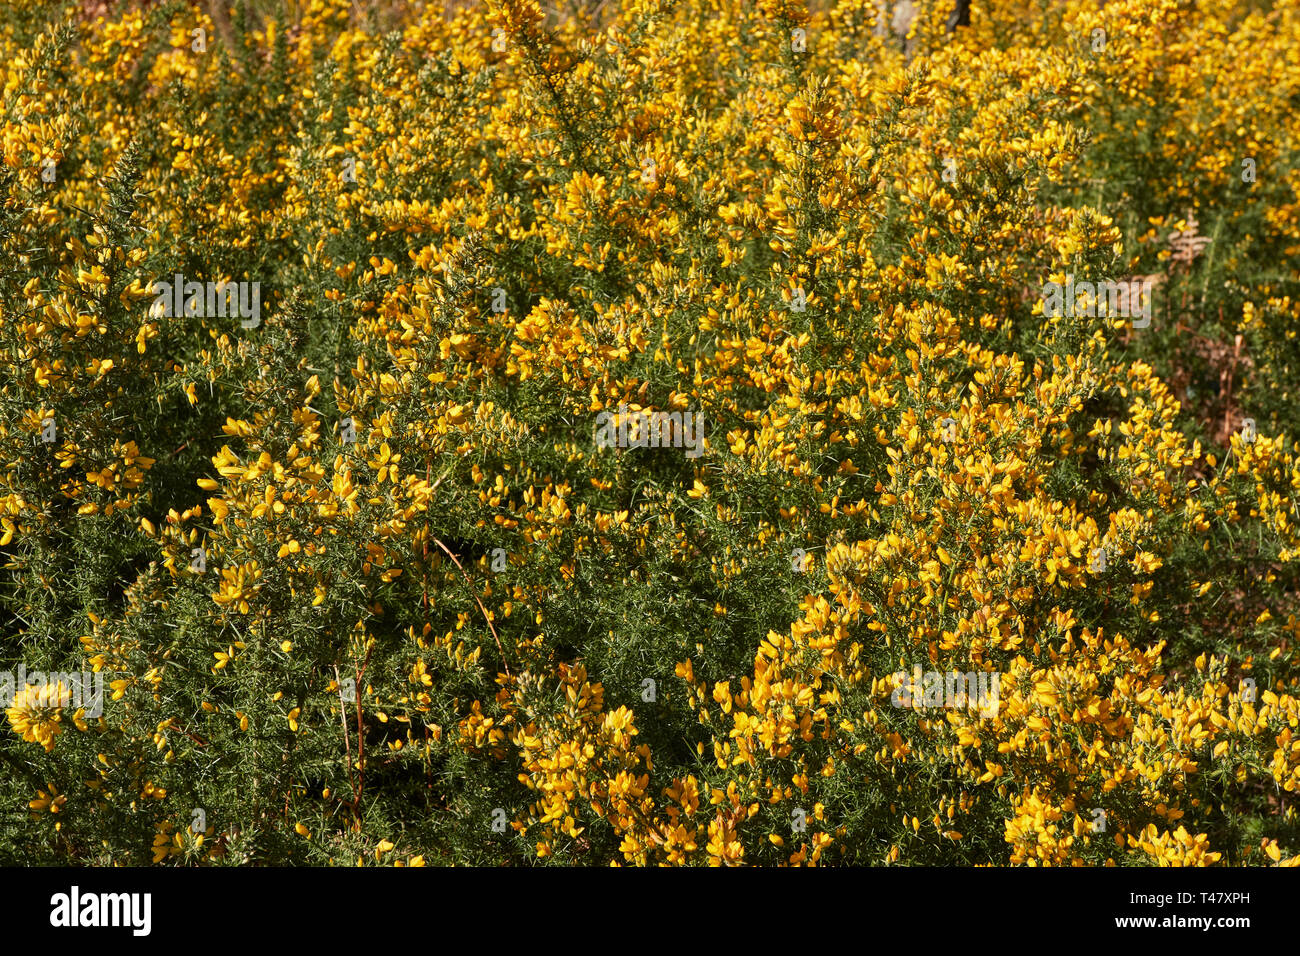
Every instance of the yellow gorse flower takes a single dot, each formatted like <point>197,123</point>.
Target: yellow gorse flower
<point>37,712</point>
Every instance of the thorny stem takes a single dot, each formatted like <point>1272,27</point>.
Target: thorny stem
<point>479,603</point>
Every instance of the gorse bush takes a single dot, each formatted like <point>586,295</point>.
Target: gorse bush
<point>640,438</point>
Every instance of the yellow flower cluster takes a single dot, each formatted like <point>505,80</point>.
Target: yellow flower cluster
<point>375,555</point>
<point>37,712</point>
